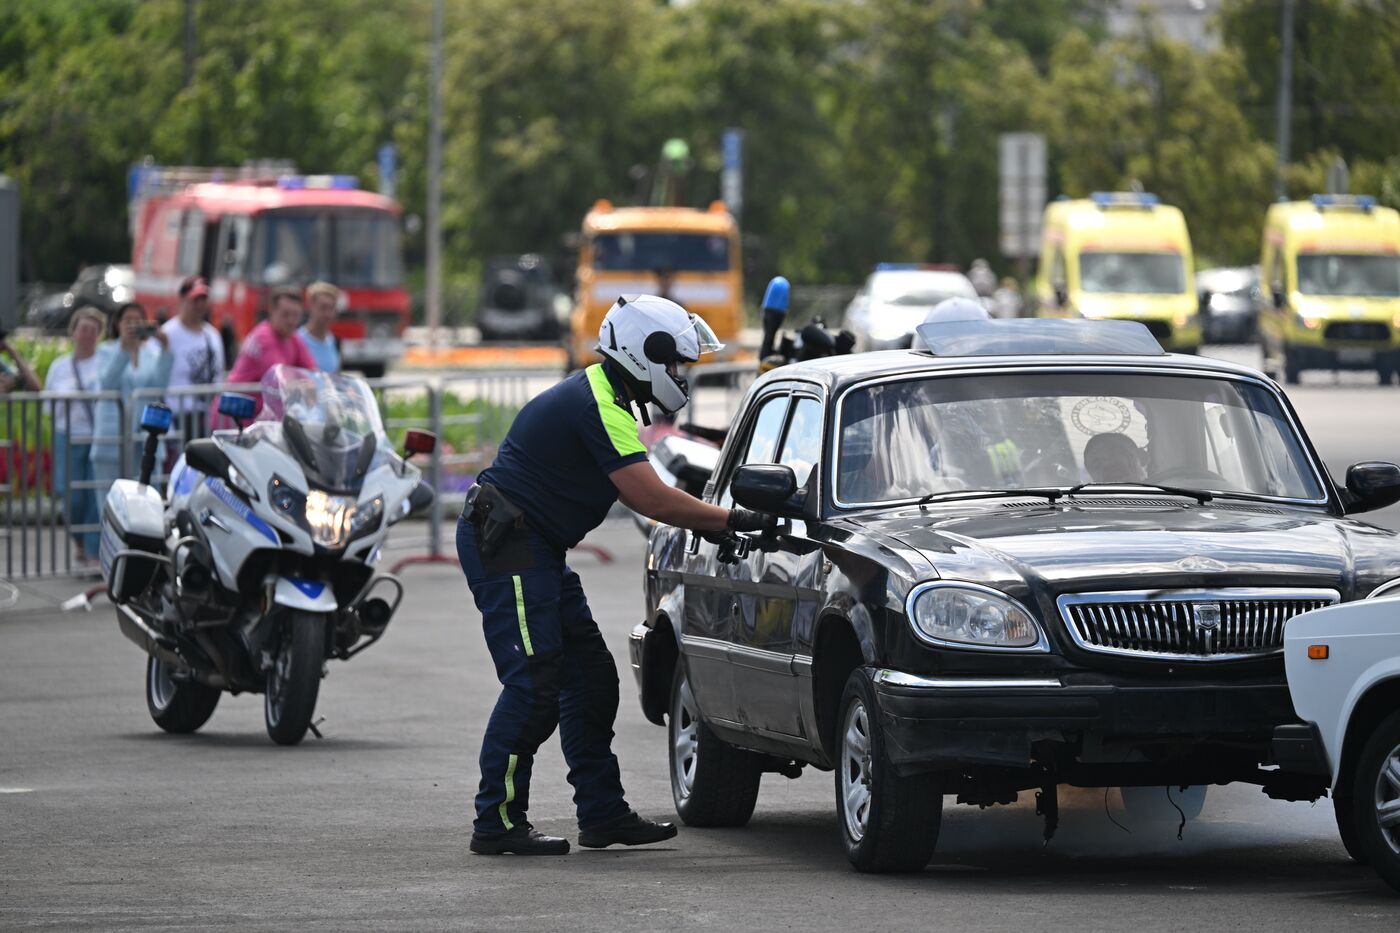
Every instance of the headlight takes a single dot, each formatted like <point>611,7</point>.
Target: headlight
<point>285,498</point>
<point>329,518</point>
<point>1308,321</point>
<point>965,615</point>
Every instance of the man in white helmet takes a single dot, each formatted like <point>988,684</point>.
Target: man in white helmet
<point>571,452</point>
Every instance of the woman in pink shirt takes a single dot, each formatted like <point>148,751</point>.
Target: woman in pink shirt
<point>273,341</point>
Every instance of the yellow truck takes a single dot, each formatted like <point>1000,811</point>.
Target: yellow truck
<point>1329,277</point>
<point>688,255</point>
<point>1121,255</point>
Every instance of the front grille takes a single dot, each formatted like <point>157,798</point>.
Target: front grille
<point>1203,625</point>
<point>1357,330</point>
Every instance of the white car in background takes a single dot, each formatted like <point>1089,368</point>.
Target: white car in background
<point>895,300</point>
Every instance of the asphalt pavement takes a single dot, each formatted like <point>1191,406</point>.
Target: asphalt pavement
<point>108,824</point>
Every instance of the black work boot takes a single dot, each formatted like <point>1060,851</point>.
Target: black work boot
<point>628,830</point>
<point>522,839</point>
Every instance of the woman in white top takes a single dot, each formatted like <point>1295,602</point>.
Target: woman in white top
<point>78,371</point>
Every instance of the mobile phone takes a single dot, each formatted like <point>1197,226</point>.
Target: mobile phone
<point>145,331</point>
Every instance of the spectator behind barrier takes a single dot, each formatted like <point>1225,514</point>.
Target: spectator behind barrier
<point>198,353</point>
<point>18,376</point>
<point>79,371</point>
<point>272,342</point>
<point>322,301</point>
<point>138,357</point>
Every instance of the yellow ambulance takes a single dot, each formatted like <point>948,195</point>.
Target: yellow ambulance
<point>1122,255</point>
<point>688,255</point>
<point>1329,276</point>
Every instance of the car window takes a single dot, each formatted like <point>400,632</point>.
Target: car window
<point>762,442</point>
<point>904,440</point>
<point>191,242</point>
<point>802,445</point>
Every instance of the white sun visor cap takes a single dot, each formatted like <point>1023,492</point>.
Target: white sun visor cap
<point>949,310</point>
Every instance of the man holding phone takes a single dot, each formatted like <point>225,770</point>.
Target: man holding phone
<point>19,377</point>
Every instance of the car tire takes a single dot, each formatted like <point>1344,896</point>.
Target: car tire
<point>1375,799</point>
<point>1292,369</point>
<point>888,822</point>
<point>712,782</point>
<point>179,707</point>
<point>1345,813</point>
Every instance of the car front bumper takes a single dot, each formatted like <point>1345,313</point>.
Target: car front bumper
<point>942,721</point>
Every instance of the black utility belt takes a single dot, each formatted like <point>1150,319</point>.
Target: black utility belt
<point>495,517</point>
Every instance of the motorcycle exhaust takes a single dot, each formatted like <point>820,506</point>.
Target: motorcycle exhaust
<point>148,639</point>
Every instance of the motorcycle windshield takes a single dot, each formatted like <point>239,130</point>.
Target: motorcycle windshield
<point>329,422</point>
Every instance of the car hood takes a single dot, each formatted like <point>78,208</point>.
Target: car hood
<point>1075,548</point>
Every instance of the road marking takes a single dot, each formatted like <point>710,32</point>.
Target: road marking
<point>16,790</point>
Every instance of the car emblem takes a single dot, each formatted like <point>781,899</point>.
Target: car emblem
<point>1205,621</point>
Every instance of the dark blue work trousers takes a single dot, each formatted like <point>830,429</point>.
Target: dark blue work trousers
<point>554,669</point>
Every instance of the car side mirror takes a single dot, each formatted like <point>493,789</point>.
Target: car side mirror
<point>767,487</point>
<point>1373,484</point>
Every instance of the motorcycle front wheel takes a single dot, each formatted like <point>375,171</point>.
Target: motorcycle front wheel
<point>294,679</point>
<point>177,706</point>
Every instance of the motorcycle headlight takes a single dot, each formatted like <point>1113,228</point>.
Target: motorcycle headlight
<point>285,498</point>
<point>330,518</point>
<point>366,517</point>
<point>965,615</point>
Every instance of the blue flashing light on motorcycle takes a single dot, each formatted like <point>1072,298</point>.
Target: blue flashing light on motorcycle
<point>239,408</point>
<point>156,418</point>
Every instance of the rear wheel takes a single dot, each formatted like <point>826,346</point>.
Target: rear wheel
<point>713,783</point>
<point>294,680</point>
<point>888,822</point>
<point>178,706</point>
<point>1375,800</point>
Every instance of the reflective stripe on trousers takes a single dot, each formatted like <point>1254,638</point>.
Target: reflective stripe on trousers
<point>554,669</point>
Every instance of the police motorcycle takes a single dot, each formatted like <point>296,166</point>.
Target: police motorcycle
<point>260,565</point>
<point>685,455</point>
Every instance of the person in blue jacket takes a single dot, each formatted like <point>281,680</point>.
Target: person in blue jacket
<point>137,357</point>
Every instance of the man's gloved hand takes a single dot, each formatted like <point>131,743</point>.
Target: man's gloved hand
<point>745,520</point>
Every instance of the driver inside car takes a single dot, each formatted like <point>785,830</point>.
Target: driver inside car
<point>1114,458</point>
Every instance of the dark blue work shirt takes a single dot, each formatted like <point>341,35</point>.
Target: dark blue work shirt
<point>555,460</point>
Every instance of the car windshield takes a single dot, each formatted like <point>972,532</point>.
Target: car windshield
<point>906,440</point>
<point>328,421</point>
<point>661,252</point>
<point>353,248</point>
<point>1351,274</point>
<point>1132,273</point>
<point>919,288</point>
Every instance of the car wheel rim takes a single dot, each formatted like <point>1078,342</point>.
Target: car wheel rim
<point>161,686</point>
<point>685,728</point>
<point>1388,799</point>
<point>856,771</point>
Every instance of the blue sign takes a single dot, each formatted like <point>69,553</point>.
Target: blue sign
<point>732,148</point>
<point>388,169</point>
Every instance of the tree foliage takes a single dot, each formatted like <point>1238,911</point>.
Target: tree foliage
<point>870,125</point>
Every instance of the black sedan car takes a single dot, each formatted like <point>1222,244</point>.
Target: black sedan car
<point>1025,558</point>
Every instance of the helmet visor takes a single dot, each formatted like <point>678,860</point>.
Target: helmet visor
<point>704,336</point>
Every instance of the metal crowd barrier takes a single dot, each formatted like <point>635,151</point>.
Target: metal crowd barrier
<point>469,412</point>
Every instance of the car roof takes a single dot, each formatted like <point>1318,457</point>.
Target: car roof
<point>839,372</point>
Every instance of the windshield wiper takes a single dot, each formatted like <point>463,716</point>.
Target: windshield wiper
<point>1200,495</point>
<point>952,495</point>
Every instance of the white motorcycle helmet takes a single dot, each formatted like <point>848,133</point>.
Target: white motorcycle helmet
<point>952,309</point>
<point>648,338</point>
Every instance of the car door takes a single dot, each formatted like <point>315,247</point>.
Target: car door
<point>770,621</point>
<point>710,583</point>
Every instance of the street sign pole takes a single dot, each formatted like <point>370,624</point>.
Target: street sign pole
<point>1022,191</point>
<point>731,179</point>
<point>9,252</point>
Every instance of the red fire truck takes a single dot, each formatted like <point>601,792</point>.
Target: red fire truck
<point>250,230</point>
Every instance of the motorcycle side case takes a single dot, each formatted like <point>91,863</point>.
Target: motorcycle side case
<point>133,519</point>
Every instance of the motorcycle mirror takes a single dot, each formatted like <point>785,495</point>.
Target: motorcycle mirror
<point>240,408</point>
<point>419,442</point>
<point>156,418</point>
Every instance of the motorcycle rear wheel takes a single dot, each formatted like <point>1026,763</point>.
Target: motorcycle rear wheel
<point>177,706</point>
<point>294,680</point>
